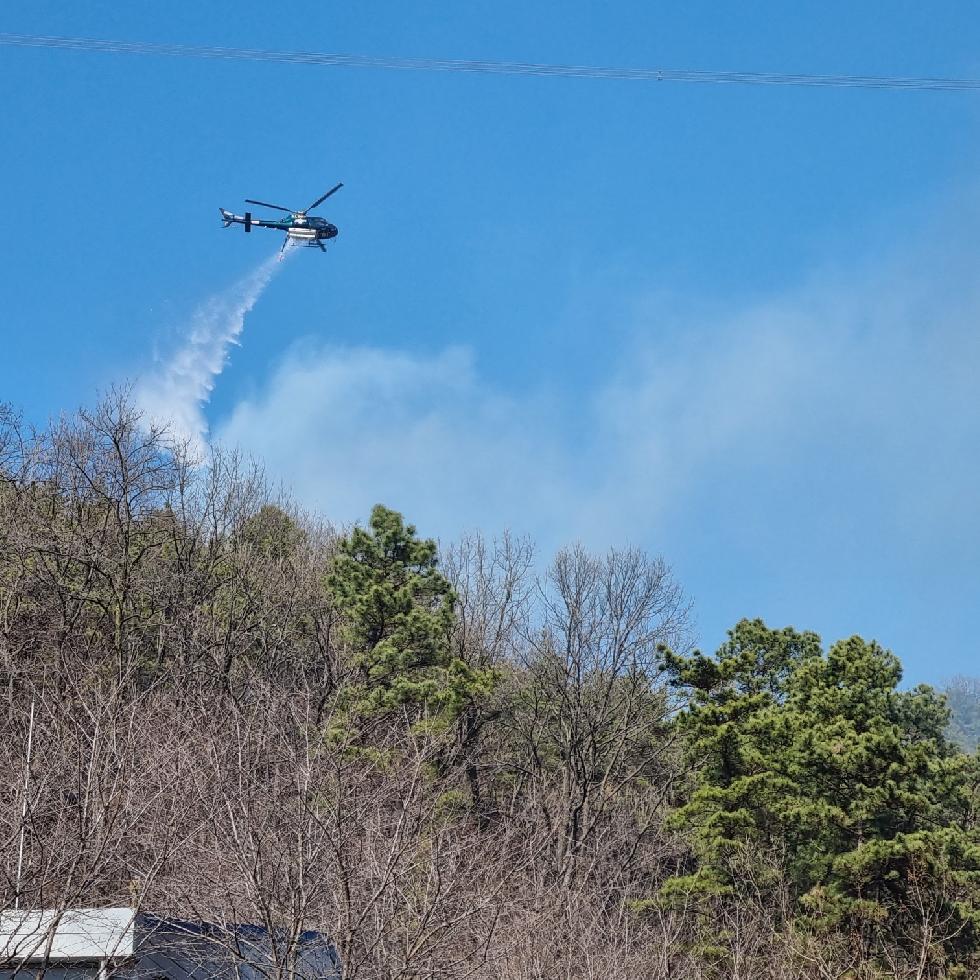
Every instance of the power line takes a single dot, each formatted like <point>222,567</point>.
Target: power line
<point>325,59</point>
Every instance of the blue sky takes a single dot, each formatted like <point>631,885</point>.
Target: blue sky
<point>737,326</point>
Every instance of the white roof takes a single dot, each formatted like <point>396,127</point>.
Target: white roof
<point>75,934</point>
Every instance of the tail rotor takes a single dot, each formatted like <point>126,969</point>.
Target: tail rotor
<point>228,219</point>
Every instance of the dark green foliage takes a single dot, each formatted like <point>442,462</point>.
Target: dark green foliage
<point>398,609</point>
<point>735,728</point>
<point>817,772</point>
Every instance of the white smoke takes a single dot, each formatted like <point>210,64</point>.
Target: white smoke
<point>175,394</point>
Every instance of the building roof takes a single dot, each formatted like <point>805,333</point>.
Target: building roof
<point>161,947</point>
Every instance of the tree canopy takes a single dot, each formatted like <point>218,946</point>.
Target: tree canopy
<point>470,762</point>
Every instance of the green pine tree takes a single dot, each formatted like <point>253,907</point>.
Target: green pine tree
<point>736,727</point>
<point>818,772</point>
<point>399,613</point>
<point>881,848</point>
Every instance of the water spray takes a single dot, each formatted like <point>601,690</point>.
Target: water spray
<point>175,394</point>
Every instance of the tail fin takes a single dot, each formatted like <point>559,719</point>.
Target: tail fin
<point>226,218</point>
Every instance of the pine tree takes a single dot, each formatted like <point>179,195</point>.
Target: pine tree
<point>881,848</point>
<point>399,614</point>
<point>736,727</point>
<point>818,771</point>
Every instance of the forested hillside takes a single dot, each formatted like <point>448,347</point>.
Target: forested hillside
<point>457,764</point>
<point>963,696</point>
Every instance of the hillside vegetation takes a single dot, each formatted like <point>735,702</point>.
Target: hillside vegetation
<point>219,707</point>
<point>963,697</point>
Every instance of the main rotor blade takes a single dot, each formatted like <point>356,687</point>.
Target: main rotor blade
<point>275,207</point>
<point>320,200</point>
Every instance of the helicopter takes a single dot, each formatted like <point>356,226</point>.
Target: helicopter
<point>299,229</point>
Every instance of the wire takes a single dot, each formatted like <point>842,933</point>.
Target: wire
<point>493,67</point>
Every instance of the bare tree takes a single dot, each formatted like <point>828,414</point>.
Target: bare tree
<point>494,586</point>
<point>592,713</point>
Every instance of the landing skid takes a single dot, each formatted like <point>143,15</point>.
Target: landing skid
<point>297,242</point>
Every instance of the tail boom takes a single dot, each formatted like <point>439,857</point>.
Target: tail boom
<point>228,219</point>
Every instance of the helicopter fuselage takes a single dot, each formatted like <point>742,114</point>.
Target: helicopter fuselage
<point>300,227</point>
<point>312,229</point>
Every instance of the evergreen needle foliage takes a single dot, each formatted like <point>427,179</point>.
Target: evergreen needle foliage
<point>817,775</point>
<point>399,615</point>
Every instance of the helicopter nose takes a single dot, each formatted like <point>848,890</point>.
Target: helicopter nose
<point>331,231</point>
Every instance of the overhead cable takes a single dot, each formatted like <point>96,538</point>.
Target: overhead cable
<point>493,67</point>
